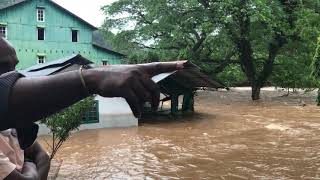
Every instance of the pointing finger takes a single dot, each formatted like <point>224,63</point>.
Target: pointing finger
<point>134,103</point>
<point>154,91</point>
<point>153,69</point>
<point>140,90</point>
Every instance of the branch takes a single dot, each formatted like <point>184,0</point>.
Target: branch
<point>48,145</point>
<point>143,46</point>
<point>224,62</point>
<point>204,3</point>
<point>157,35</point>
<point>196,34</point>
<point>274,47</point>
<point>143,18</point>
<point>199,42</point>
<point>223,65</point>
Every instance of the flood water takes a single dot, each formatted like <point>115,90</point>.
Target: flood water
<point>229,137</point>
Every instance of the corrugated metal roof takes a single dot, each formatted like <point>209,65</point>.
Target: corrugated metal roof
<point>55,66</point>
<point>44,72</point>
<point>197,78</point>
<point>190,77</point>
<point>162,76</point>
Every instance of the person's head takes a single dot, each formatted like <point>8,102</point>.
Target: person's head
<point>8,56</point>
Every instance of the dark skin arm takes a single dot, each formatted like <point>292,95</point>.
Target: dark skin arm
<point>29,172</point>
<point>41,159</point>
<point>36,98</point>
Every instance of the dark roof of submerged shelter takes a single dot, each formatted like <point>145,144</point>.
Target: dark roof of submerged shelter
<point>56,66</point>
<point>189,78</point>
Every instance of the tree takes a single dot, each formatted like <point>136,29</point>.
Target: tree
<point>250,34</point>
<point>316,68</point>
<point>63,123</point>
<point>292,70</point>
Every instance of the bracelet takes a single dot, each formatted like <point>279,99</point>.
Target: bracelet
<point>82,80</point>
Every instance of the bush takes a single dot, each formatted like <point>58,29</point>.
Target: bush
<point>63,123</point>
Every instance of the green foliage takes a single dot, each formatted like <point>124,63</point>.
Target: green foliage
<point>63,123</point>
<point>316,62</point>
<point>292,69</point>
<point>250,35</point>
<point>316,69</point>
<point>232,76</point>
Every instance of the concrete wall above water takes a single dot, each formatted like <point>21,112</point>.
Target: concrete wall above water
<point>113,113</point>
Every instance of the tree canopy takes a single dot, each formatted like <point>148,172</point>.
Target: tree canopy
<point>249,40</point>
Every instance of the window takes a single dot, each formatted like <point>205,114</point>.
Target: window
<point>92,115</point>
<point>3,31</point>
<point>41,34</point>
<point>41,59</point>
<point>40,14</point>
<point>105,63</point>
<point>75,35</point>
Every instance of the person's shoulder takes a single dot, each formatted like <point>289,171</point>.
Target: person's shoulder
<point>11,74</point>
<point>7,82</point>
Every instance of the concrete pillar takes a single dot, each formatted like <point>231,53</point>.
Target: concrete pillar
<point>188,102</point>
<point>174,104</point>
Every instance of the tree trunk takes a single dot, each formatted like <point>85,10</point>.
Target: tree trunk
<point>255,95</point>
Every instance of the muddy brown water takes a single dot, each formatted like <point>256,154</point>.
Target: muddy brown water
<point>229,137</point>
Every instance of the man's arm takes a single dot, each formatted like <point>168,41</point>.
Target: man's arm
<point>29,172</point>
<point>35,98</point>
<point>41,159</point>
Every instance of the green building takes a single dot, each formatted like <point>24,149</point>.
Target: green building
<point>42,30</point>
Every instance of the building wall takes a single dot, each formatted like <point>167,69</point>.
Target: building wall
<point>21,22</point>
<point>113,113</point>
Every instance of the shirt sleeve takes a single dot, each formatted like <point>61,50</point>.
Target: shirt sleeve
<point>7,81</point>
<point>6,167</point>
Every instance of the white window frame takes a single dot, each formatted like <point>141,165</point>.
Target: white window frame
<point>44,33</point>
<point>38,59</point>
<point>43,14</point>
<point>5,30</point>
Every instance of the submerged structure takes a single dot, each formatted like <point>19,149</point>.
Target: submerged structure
<point>115,112</point>
<point>183,84</point>
<point>105,112</point>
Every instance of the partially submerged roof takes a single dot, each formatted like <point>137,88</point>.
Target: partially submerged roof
<point>56,66</point>
<point>9,3</point>
<point>190,78</point>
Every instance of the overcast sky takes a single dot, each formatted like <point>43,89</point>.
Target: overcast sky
<point>89,10</point>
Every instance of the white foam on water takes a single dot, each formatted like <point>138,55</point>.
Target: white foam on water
<point>277,127</point>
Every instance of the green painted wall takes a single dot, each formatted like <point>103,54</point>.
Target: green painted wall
<point>21,22</point>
